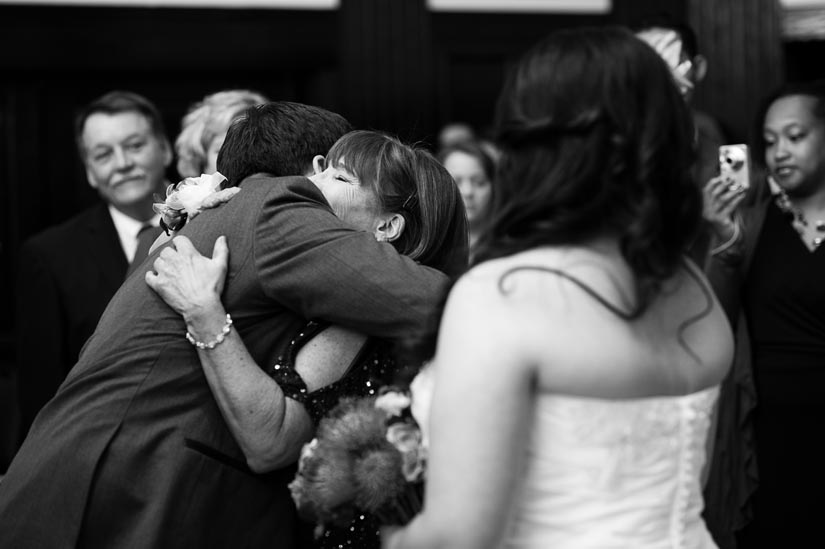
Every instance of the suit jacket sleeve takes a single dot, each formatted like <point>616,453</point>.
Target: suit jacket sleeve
<point>41,338</point>
<point>314,265</point>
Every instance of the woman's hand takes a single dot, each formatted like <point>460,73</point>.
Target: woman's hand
<point>721,198</point>
<point>189,282</point>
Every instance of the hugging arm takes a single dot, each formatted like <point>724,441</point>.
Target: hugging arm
<point>269,428</point>
<point>308,261</point>
<point>314,265</point>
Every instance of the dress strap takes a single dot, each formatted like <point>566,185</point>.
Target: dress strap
<point>690,268</point>
<point>567,276</point>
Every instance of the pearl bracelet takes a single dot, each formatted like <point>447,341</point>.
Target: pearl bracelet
<point>217,341</point>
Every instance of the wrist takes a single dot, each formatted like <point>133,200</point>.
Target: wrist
<point>211,344</point>
<point>205,319</point>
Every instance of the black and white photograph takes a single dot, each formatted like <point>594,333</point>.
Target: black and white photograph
<point>412,274</point>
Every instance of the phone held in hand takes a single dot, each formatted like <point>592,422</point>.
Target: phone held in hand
<point>734,165</point>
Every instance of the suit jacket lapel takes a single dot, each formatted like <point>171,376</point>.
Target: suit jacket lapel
<point>105,246</point>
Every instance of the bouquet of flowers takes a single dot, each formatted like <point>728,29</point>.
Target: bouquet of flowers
<point>367,457</point>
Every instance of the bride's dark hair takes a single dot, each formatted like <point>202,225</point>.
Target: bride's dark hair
<point>596,140</point>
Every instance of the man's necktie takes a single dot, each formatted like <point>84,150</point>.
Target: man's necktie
<point>145,237</point>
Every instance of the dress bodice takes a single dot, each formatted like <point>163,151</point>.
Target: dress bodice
<point>615,473</point>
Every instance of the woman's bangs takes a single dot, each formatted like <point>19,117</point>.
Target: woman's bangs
<point>358,153</point>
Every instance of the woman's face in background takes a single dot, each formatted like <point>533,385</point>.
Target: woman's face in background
<point>473,183</point>
<point>795,145</point>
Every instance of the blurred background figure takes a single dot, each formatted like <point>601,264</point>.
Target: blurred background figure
<point>767,479</point>
<point>203,129</point>
<point>68,273</point>
<point>473,169</point>
<point>676,43</point>
<point>453,133</point>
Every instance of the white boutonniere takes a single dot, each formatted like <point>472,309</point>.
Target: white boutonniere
<point>186,199</point>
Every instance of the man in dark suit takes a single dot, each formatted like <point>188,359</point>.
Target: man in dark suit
<point>69,272</point>
<point>133,450</point>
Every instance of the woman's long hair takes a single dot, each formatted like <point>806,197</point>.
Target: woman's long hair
<point>596,140</point>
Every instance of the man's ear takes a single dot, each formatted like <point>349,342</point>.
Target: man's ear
<point>390,228</point>
<point>318,164</point>
<point>700,68</point>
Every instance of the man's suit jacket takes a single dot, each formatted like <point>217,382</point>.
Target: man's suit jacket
<point>67,276</point>
<point>134,447</point>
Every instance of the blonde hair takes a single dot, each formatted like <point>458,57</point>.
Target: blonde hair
<point>206,120</point>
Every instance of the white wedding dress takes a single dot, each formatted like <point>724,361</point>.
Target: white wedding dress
<point>606,474</point>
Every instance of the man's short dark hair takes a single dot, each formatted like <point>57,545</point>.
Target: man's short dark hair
<point>279,138</point>
<point>116,102</point>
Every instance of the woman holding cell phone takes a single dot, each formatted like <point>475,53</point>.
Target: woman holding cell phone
<point>768,271</point>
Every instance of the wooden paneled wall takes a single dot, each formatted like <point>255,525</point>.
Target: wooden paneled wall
<point>743,44</point>
<point>387,71</point>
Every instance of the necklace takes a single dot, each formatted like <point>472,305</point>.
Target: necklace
<point>798,220</point>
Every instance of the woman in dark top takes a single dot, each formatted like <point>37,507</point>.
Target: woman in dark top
<point>767,478</point>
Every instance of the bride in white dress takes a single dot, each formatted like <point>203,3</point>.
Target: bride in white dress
<point>577,363</point>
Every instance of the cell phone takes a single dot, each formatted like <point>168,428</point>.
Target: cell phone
<point>734,163</point>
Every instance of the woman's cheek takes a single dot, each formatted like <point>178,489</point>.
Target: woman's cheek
<point>347,202</point>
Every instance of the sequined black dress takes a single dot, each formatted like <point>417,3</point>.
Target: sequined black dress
<point>373,368</point>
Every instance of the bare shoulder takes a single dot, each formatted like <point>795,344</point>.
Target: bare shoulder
<point>700,326</point>
<point>481,339</point>
<point>519,304</point>
<point>566,314</point>
<point>475,300</point>
<point>482,323</point>
<point>506,284</point>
